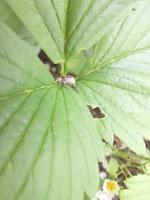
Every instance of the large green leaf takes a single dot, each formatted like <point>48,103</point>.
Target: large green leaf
<point>47,148</point>
<point>64,28</point>
<point>138,188</point>
<point>49,142</point>
<point>117,78</point>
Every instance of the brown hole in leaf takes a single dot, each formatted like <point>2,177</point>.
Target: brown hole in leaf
<point>147,143</point>
<point>72,74</point>
<point>118,143</point>
<point>54,69</point>
<point>96,112</point>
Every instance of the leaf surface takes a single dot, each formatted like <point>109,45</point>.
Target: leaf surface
<point>117,78</point>
<point>64,28</point>
<point>45,132</point>
<point>47,148</point>
<point>138,188</point>
<point>8,17</point>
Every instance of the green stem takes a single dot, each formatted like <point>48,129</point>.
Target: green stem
<point>128,155</point>
<point>63,69</point>
<point>62,72</point>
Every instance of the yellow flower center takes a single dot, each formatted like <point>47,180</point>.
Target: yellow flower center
<point>111,186</point>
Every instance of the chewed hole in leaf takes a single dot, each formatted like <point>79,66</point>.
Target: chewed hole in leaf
<point>54,69</point>
<point>96,112</point>
<point>147,143</point>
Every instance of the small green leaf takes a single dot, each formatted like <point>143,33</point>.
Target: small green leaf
<point>147,168</point>
<point>112,168</point>
<point>138,188</point>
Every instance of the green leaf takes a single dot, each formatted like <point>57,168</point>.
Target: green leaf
<point>138,188</point>
<point>42,20</point>
<point>8,17</point>
<point>64,28</point>
<point>117,78</point>
<point>89,20</point>
<point>147,169</point>
<point>112,168</point>
<point>47,148</point>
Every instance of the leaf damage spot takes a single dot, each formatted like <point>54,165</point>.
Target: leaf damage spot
<point>147,143</point>
<point>54,69</point>
<point>96,112</point>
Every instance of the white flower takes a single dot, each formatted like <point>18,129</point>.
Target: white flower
<point>110,187</point>
<point>97,196</point>
<point>104,196</point>
<point>101,195</point>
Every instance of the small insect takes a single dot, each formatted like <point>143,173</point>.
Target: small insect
<point>67,80</point>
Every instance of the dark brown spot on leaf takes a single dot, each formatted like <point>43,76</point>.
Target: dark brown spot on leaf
<point>96,112</point>
<point>147,143</point>
<point>54,69</point>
